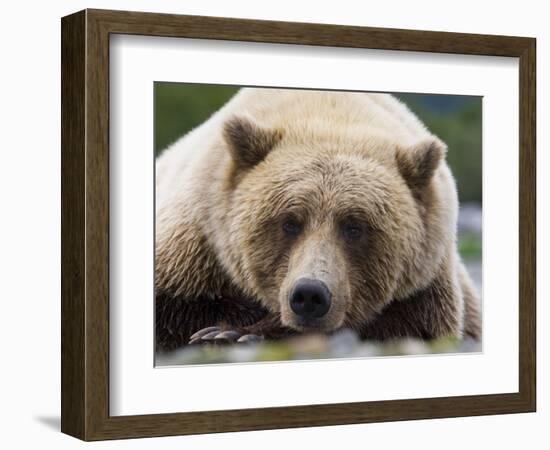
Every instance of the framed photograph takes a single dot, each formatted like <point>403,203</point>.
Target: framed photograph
<point>272,225</point>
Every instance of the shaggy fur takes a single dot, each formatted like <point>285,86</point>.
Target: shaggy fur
<point>364,184</point>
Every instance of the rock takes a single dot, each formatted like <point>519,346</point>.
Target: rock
<point>343,343</point>
<point>470,219</point>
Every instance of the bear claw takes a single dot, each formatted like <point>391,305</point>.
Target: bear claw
<point>249,339</point>
<point>210,336</point>
<point>203,332</point>
<point>216,335</point>
<point>228,336</point>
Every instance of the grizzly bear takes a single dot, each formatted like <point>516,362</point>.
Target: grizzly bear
<point>296,211</point>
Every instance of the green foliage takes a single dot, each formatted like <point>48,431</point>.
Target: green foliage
<point>180,107</point>
<point>456,120</point>
<point>469,246</point>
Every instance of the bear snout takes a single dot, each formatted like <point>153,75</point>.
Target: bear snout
<point>310,299</point>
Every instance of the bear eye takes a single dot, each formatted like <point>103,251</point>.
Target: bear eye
<point>292,226</point>
<point>351,231</point>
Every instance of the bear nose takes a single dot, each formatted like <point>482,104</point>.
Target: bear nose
<point>310,299</point>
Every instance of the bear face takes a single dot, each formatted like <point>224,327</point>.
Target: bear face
<point>329,239</point>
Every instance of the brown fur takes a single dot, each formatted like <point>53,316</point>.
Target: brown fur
<point>328,163</point>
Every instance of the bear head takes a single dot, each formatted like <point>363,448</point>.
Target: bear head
<point>327,230</point>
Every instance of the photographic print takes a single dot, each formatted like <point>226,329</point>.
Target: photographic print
<point>296,224</point>
<point>270,227</point>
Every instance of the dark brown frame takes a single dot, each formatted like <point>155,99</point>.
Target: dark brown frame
<point>85,224</point>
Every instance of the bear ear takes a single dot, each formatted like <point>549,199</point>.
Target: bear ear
<point>248,142</point>
<point>418,164</point>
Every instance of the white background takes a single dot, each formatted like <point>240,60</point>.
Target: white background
<point>136,387</point>
<point>30,238</point>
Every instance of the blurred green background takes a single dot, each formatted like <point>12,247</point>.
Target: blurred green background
<point>456,119</point>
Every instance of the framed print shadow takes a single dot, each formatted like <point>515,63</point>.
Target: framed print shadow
<point>267,224</point>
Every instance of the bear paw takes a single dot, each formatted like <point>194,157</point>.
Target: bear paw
<point>217,335</point>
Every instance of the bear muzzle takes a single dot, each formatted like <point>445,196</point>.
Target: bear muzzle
<point>310,300</point>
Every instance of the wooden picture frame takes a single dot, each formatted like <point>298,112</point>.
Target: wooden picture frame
<point>85,224</point>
